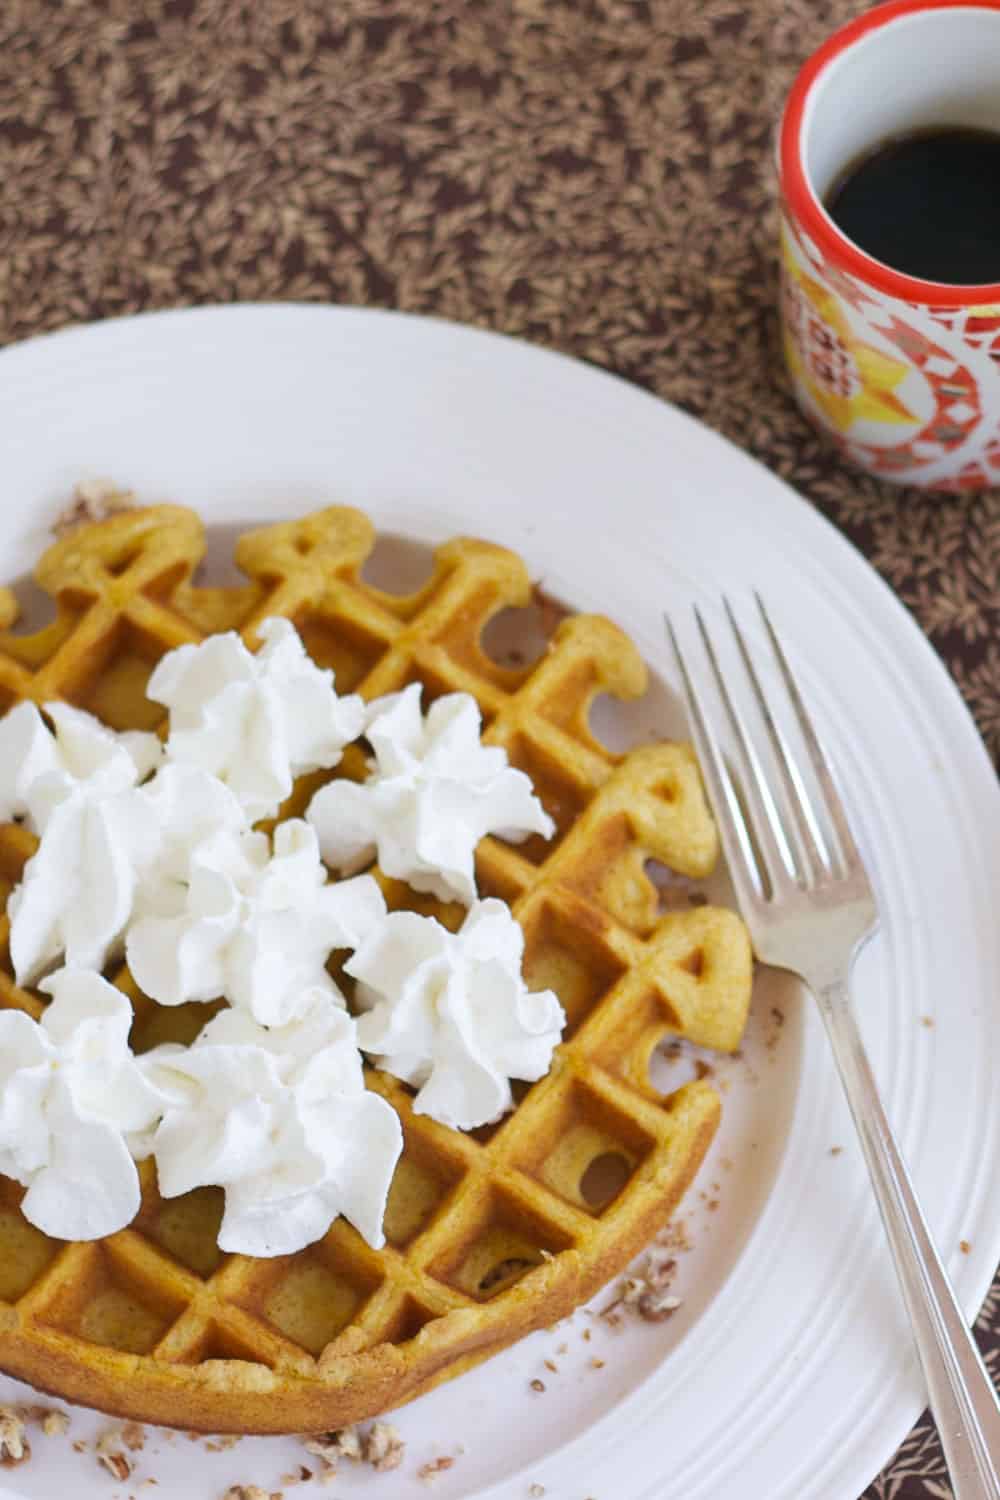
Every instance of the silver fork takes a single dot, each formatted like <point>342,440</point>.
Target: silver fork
<point>809,906</point>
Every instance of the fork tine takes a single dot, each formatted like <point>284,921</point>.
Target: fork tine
<point>764,817</point>
<point>848,851</point>
<point>810,846</point>
<point>745,871</point>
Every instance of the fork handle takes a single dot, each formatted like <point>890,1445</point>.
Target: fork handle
<point>961,1394</point>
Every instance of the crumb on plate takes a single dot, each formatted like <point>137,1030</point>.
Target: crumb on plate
<point>250,1492</point>
<point>14,1446</point>
<point>383,1447</point>
<point>435,1466</point>
<point>379,1445</point>
<point>301,1475</point>
<point>55,1423</point>
<point>110,1452</point>
<point>93,500</point>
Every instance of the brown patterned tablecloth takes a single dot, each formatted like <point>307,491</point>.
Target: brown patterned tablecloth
<point>593,175</point>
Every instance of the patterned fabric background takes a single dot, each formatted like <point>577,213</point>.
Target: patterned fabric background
<point>594,175</point>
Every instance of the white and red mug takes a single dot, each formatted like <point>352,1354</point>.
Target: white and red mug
<point>903,374</point>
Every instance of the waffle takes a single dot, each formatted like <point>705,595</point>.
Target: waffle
<point>490,1234</point>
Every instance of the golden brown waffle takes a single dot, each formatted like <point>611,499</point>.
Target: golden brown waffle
<point>491,1234</point>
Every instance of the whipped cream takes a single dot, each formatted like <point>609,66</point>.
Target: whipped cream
<point>71,1095</point>
<point>249,923</point>
<point>182,807</point>
<point>78,789</point>
<point>255,721</point>
<point>434,791</point>
<point>157,855</point>
<point>282,1121</point>
<point>451,1014</point>
<point>39,767</point>
<point>28,751</point>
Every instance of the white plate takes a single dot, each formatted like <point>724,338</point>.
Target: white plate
<point>787,1374</point>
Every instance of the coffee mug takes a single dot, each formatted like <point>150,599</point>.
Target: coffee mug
<point>903,374</point>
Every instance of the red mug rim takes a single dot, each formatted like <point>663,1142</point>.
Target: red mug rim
<point>802,200</point>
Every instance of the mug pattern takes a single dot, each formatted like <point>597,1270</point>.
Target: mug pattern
<point>904,389</point>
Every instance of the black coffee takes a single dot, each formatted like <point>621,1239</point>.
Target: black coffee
<point>926,204</point>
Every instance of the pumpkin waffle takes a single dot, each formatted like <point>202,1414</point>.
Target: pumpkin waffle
<point>490,1234</point>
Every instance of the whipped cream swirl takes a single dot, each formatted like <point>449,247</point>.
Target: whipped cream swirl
<point>253,925</point>
<point>39,766</point>
<point>282,1121</point>
<point>182,807</point>
<point>254,720</point>
<point>71,1096</point>
<point>451,1014</point>
<point>434,791</point>
<point>78,789</point>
